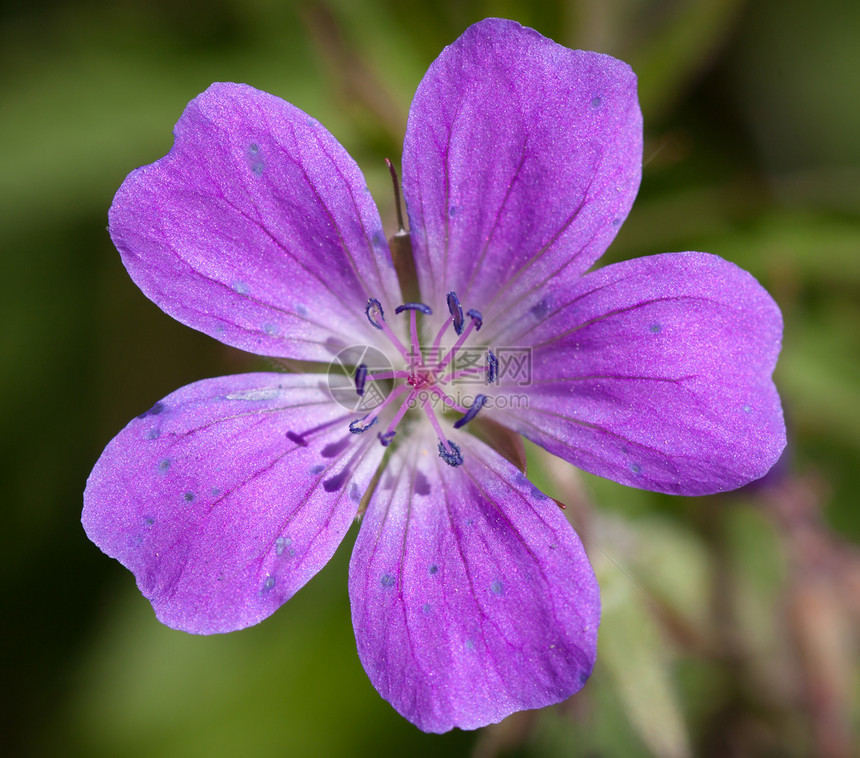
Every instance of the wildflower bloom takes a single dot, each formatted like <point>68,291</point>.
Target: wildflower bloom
<point>471,595</point>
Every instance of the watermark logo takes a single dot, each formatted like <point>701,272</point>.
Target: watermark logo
<point>341,378</point>
<point>515,365</point>
<point>455,385</point>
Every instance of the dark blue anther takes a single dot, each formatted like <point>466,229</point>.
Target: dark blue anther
<point>480,402</point>
<point>360,377</point>
<point>386,437</point>
<point>356,429</point>
<point>477,317</point>
<point>492,367</point>
<point>374,312</point>
<point>451,458</point>
<point>425,309</point>
<point>456,312</point>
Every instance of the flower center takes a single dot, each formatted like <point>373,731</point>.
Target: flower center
<point>420,380</point>
<point>427,373</point>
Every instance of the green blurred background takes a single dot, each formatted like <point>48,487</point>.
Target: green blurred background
<point>730,625</point>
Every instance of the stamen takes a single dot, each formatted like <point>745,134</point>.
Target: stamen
<point>449,356</point>
<point>358,426</point>
<point>387,375</point>
<point>438,340</point>
<point>443,441</point>
<point>385,438</point>
<point>414,344</point>
<point>456,311</point>
<point>363,424</point>
<point>425,309</point>
<point>376,317</point>
<point>374,312</point>
<point>453,457</point>
<point>492,367</point>
<point>360,378</point>
<point>477,318</point>
<point>480,402</point>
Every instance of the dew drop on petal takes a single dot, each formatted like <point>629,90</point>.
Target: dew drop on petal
<point>270,329</point>
<point>280,545</point>
<point>596,102</point>
<point>269,583</point>
<point>189,497</point>
<point>496,587</point>
<point>433,569</point>
<point>164,464</point>
<point>154,411</point>
<point>354,493</point>
<point>655,328</point>
<point>240,287</point>
<point>317,468</point>
<point>747,409</point>
<point>636,468</point>
<point>154,433</point>
<point>255,160</point>
<point>387,580</point>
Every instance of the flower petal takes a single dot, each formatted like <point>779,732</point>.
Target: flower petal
<point>656,373</point>
<point>472,596</point>
<point>257,228</point>
<point>520,161</point>
<point>226,497</point>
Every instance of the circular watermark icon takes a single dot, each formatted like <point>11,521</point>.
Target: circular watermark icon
<point>341,378</point>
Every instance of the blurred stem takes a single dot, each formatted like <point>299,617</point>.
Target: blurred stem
<point>356,82</point>
<point>822,610</point>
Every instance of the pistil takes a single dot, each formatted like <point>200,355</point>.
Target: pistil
<point>422,375</point>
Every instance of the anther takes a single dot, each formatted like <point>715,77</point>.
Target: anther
<point>425,309</point>
<point>386,437</point>
<point>476,317</point>
<point>360,378</point>
<point>492,367</point>
<point>374,312</point>
<point>456,311</point>
<point>356,428</point>
<point>480,402</point>
<point>452,457</point>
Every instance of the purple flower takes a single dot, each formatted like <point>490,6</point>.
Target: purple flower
<point>471,595</point>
